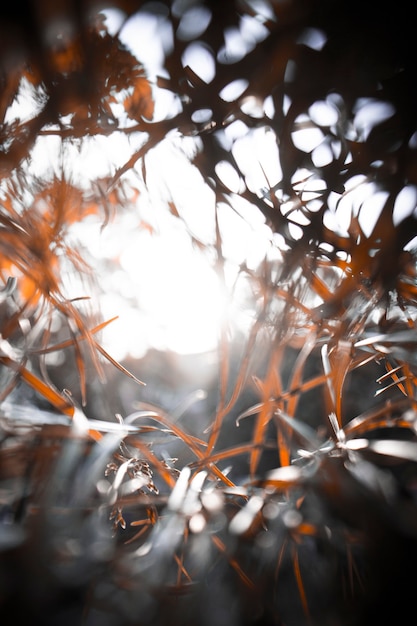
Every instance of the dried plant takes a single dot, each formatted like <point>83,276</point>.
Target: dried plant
<point>292,500</point>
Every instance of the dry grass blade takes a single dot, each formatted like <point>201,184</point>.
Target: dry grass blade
<point>270,389</point>
<point>63,345</point>
<point>57,400</point>
<point>118,365</point>
<point>300,584</point>
<point>193,443</point>
<point>384,415</point>
<point>233,562</point>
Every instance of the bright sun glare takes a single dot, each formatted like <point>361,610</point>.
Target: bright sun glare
<point>163,287</point>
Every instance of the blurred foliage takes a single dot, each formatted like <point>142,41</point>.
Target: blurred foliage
<point>289,498</point>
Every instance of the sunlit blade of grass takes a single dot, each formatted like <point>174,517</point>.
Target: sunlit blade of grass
<point>68,343</point>
<point>77,327</point>
<point>362,360</point>
<point>80,364</point>
<point>269,389</point>
<point>289,297</point>
<point>262,420</point>
<point>284,449</point>
<point>269,409</point>
<point>118,365</point>
<point>253,410</point>
<point>382,416</point>
<point>282,478</point>
<point>221,546</point>
<point>224,361</point>
<point>280,558</point>
<point>406,450</point>
<point>341,362</point>
<point>45,391</point>
<point>397,383</point>
<point>182,572</point>
<point>292,396</point>
<point>304,434</point>
<point>225,405</point>
<point>145,528</point>
<point>406,383</point>
<point>320,287</point>
<point>300,583</point>
<point>353,569</point>
<point>193,443</point>
<point>228,453</point>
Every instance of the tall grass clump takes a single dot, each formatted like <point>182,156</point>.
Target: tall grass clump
<point>283,492</point>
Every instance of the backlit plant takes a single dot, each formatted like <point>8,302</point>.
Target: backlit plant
<point>289,497</point>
